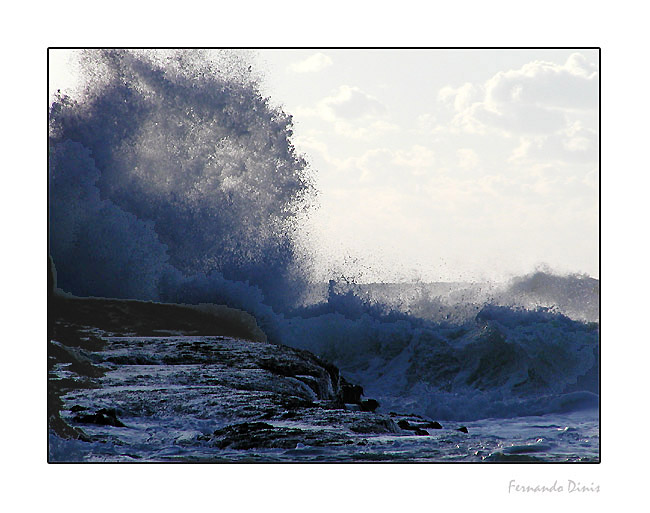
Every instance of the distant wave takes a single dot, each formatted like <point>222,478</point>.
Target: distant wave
<point>577,296</point>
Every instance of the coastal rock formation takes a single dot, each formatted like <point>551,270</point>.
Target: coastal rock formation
<point>123,386</point>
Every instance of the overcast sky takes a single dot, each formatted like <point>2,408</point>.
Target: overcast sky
<point>442,164</point>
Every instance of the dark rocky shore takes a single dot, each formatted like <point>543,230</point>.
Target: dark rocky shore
<point>135,380</point>
<point>141,381</point>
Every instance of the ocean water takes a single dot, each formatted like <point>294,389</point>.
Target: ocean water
<point>172,394</point>
<point>568,438</point>
<point>173,179</point>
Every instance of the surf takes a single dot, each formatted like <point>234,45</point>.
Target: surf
<point>173,179</point>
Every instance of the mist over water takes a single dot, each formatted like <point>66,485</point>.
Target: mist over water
<point>173,179</point>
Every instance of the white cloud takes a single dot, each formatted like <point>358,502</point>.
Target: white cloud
<point>418,158</point>
<point>353,112</point>
<point>573,144</point>
<point>350,103</point>
<point>467,158</point>
<point>461,97</point>
<point>313,64</point>
<point>383,166</point>
<point>571,86</point>
<point>538,121</point>
<point>539,98</point>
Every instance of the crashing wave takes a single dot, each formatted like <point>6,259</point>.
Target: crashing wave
<point>173,179</point>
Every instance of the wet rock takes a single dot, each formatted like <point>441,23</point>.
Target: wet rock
<point>462,429</point>
<point>373,425</point>
<point>51,277</point>
<point>293,402</point>
<point>369,405</point>
<point>260,435</point>
<point>248,384</point>
<point>76,337</point>
<point>146,318</point>
<point>64,430</point>
<point>516,458</point>
<point>351,393</point>
<point>76,360</point>
<point>245,428</point>
<point>321,377</point>
<point>103,417</point>
<point>335,404</point>
<point>135,360</point>
<point>421,432</point>
<point>405,424</point>
<point>269,414</point>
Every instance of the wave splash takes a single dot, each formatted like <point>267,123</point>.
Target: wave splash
<point>179,166</point>
<point>173,179</point>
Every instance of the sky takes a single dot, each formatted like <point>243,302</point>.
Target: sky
<point>447,164</point>
<point>441,165</point>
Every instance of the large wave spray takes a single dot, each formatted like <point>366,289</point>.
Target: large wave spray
<point>171,166</point>
<point>172,178</point>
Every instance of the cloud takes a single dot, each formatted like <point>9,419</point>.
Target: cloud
<point>374,167</point>
<point>571,86</point>
<point>312,64</point>
<point>461,97</point>
<point>467,158</point>
<point>350,103</point>
<point>383,166</point>
<point>573,144</point>
<point>538,98</point>
<point>543,115</point>
<point>353,112</point>
<point>418,159</point>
